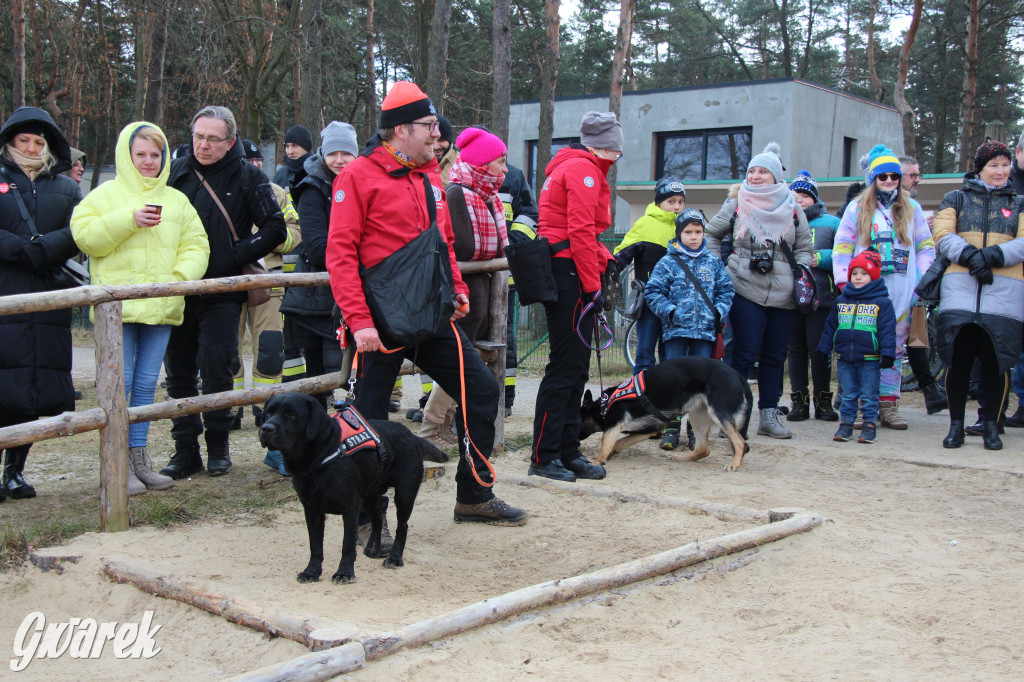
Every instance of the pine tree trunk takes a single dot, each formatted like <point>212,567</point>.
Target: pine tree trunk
<point>549,80</point>
<point>154,111</point>
<point>370,92</point>
<point>437,76</point>
<point>965,142</point>
<point>18,55</point>
<point>899,92</point>
<point>501,88</point>
<point>311,112</point>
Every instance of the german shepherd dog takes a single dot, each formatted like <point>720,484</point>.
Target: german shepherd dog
<point>332,480</point>
<point>709,391</point>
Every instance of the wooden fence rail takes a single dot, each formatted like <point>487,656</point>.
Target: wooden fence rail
<point>113,416</point>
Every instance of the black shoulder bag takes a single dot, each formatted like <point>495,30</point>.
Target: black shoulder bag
<point>411,293</point>
<point>718,352</point>
<point>70,273</point>
<point>929,287</point>
<point>805,288</point>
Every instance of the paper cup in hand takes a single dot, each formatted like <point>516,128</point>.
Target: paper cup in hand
<point>156,207</point>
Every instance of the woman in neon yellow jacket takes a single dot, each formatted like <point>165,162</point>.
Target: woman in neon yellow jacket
<point>137,230</point>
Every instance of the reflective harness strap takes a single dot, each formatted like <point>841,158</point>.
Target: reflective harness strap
<point>632,389</point>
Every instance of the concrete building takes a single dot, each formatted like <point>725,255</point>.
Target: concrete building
<point>706,135</point>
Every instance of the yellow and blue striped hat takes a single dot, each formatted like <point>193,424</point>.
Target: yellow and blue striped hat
<point>882,160</point>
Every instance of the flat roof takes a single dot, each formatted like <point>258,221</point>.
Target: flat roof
<point>715,86</point>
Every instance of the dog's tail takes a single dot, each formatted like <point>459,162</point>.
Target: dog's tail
<point>748,398</point>
<point>432,453</point>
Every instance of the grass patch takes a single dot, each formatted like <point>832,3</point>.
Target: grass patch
<point>518,441</point>
<point>17,540</point>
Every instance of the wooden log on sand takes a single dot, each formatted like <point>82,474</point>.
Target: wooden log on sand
<point>556,591</point>
<point>319,665</point>
<point>722,512</point>
<point>308,631</point>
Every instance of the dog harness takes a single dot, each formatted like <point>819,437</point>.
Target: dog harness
<point>356,435</point>
<point>632,389</point>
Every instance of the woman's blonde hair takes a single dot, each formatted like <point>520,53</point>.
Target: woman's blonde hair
<point>49,160</point>
<point>867,202</point>
<point>149,134</point>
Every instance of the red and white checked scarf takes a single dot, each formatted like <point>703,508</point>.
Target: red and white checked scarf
<point>485,209</point>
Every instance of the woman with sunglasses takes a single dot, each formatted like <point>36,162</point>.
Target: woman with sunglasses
<point>885,219</point>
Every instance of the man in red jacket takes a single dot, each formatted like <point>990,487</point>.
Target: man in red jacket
<point>379,206</point>
<point>575,207</point>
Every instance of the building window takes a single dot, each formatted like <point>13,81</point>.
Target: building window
<point>721,154</point>
<point>531,160</point>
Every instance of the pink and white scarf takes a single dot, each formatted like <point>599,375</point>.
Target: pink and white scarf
<point>485,208</point>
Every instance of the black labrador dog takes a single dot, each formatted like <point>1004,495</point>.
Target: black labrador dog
<point>330,481</point>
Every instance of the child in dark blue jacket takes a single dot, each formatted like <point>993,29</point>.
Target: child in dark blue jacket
<point>862,327</point>
<point>688,314</point>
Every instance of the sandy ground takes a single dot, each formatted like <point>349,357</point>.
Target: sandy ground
<point>916,573</point>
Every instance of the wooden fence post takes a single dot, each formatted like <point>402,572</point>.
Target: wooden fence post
<point>498,333</point>
<point>114,435</point>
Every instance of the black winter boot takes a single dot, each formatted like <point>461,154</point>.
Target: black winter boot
<point>801,409</point>
<point>1016,420</point>
<point>990,436</point>
<point>670,441</point>
<point>185,461</point>
<point>218,462</point>
<point>955,437</point>
<point>823,407</point>
<point>934,398</point>
<point>13,481</point>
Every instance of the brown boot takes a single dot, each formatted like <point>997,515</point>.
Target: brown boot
<point>448,433</point>
<point>434,417</point>
<point>494,512</point>
<point>889,415</point>
<point>135,486</point>
<point>139,459</point>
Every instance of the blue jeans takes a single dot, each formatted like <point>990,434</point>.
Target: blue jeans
<point>144,348</point>
<point>860,381</point>
<point>682,348</point>
<point>757,329</point>
<point>648,336</point>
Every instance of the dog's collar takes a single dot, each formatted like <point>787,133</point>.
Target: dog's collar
<point>632,388</point>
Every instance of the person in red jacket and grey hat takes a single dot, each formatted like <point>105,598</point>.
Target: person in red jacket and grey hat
<point>379,205</point>
<point>575,208</point>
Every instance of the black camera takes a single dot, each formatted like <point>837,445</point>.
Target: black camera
<point>761,263</point>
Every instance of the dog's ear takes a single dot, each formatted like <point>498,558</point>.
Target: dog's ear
<point>588,397</point>
<point>315,418</point>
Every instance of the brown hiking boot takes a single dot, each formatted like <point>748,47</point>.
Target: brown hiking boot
<point>889,415</point>
<point>494,512</point>
<point>385,536</point>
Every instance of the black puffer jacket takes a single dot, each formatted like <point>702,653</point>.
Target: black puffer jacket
<point>249,200</point>
<point>35,356</point>
<point>312,306</point>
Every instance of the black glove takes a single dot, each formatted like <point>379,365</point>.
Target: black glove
<point>886,362</point>
<point>966,255</point>
<point>978,268</point>
<point>993,256</point>
<point>36,253</point>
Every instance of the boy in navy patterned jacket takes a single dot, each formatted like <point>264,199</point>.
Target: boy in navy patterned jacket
<point>688,323</point>
<point>862,327</point>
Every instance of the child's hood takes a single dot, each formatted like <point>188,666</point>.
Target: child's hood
<point>874,289</point>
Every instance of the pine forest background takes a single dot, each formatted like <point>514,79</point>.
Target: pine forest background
<point>950,66</point>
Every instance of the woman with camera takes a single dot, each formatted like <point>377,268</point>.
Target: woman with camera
<point>761,216</point>
<point>885,219</point>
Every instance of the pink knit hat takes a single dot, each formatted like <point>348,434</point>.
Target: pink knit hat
<point>478,147</point>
